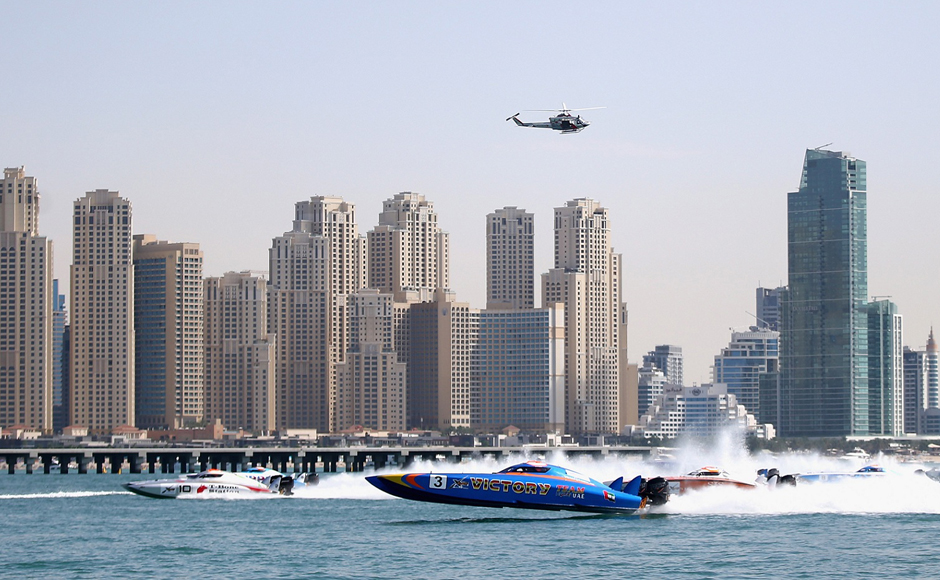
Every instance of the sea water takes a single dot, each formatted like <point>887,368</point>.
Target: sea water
<point>87,526</point>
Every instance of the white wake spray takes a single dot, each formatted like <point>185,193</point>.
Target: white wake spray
<point>900,491</point>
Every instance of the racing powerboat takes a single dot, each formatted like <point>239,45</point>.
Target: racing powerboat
<point>821,477</point>
<point>529,485</point>
<point>703,478</point>
<point>218,483</point>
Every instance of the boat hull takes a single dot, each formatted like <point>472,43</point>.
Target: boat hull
<point>498,490</point>
<point>212,483</point>
<point>684,484</point>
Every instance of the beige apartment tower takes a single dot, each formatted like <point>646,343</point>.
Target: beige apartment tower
<point>443,338</point>
<point>409,254</point>
<point>168,334</point>
<point>510,259</point>
<point>371,381</point>
<point>240,354</point>
<point>25,307</point>
<point>587,280</point>
<point>313,268</point>
<point>102,311</point>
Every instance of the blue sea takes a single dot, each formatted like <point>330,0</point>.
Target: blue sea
<point>87,526</point>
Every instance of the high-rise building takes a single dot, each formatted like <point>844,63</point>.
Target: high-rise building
<point>409,254</point>
<point>739,366</point>
<point>518,370</point>
<point>667,358</point>
<point>629,377</point>
<point>510,259</point>
<point>168,333</point>
<point>586,279</point>
<point>26,301</point>
<point>885,370</point>
<point>921,387</point>
<point>102,313</point>
<point>239,353</point>
<point>313,268</point>
<point>60,409</point>
<point>915,389</point>
<point>824,311</point>
<point>768,308</point>
<point>651,384</point>
<point>371,382</point>
<point>932,355</point>
<point>443,338</point>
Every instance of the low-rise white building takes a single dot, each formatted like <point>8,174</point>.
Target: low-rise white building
<point>700,410</point>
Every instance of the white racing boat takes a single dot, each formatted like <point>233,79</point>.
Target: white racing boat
<point>218,483</point>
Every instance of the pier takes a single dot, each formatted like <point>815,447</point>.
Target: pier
<point>283,459</point>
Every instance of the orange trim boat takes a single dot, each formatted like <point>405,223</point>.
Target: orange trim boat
<point>703,478</point>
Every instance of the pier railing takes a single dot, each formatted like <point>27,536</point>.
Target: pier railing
<point>285,460</point>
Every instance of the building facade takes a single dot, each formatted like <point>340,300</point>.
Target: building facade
<point>651,383</point>
<point>768,308</point>
<point>443,338</point>
<point>371,381</point>
<point>26,307</point>
<point>885,369</point>
<point>921,386</point>
<point>587,280</point>
<point>168,334</point>
<point>313,268</point>
<point>824,313</point>
<point>60,320</point>
<point>510,259</point>
<point>740,365</point>
<point>667,358</point>
<point>518,370</point>
<point>239,353</point>
<point>409,254</point>
<point>102,313</point>
<point>701,411</point>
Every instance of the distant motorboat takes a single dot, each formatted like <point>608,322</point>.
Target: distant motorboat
<point>869,471</point>
<point>856,455</point>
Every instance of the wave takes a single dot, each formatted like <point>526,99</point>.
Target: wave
<point>61,494</point>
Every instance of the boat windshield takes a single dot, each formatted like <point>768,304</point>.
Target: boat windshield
<point>526,469</point>
<point>203,475</point>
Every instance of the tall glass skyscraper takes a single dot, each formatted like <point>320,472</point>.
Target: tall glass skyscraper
<point>824,314</point>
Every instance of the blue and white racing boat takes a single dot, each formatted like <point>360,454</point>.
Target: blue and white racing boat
<point>773,477</point>
<point>530,485</point>
<point>865,472</point>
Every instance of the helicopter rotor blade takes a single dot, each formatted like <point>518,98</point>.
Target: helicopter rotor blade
<point>587,109</point>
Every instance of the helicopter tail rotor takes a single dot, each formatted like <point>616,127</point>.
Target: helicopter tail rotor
<point>513,117</point>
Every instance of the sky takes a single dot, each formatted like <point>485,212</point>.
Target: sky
<point>214,118</point>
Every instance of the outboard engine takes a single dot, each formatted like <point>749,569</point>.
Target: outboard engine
<point>787,480</point>
<point>655,490</point>
<point>773,478</point>
<point>286,487</point>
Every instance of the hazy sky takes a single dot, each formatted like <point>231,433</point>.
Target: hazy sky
<point>214,118</point>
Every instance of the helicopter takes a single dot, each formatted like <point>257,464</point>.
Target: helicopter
<point>564,121</point>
